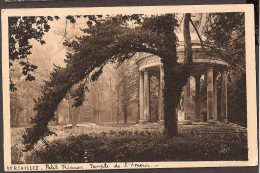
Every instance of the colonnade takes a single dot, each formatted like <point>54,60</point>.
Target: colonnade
<point>144,96</point>
<point>212,103</point>
<point>212,93</point>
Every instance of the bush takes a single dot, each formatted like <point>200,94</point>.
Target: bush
<point>147,146</point>
<point>16,155</point>
<point>237,99</point>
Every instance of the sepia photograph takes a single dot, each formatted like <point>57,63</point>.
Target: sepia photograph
<point>129,87</point>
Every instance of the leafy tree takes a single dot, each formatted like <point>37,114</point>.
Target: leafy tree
<point>24,28</point>
<point>15,108</point>
<point>21,30</point>
<point>237,100</point>
<point>102,43</point>
<point>226,31</point>
<point>128,80</point>
<point>112,39</point>
<point>96,94</point>
<point>110,82</point>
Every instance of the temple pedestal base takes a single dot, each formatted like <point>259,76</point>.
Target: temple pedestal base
<point>185,122</point>
<point>225,121</point>
<point>161,121</point>
<point>212,121</point>
<point>142,122</point>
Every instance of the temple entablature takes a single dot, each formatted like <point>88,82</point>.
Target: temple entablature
<point>200,58</point>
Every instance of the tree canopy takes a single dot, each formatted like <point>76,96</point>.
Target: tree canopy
<point>21,30</point>
<point>111,40</point>
<point>226,32</point>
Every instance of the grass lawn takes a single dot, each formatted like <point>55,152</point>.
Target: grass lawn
<point>140,143</point>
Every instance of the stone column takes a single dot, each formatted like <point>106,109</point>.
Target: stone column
<point>210,92</point>
<point>161,104</point>
<point>186,100</point>
<point>197,98</point>
<point>141,98</point>
<point>146,96</point>
<point>186,104</point>
<point>224,96</point>
<point>215,110</point>
<point>177,111</point>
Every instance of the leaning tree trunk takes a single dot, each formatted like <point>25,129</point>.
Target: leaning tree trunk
<point>98,110</point>
<point>70,111</point>
<point>75,117</point>
<point>175,80</point>
<point>125,113</point>
<point>57,116</point>
<point>117,107</point>
<point>57,119</point>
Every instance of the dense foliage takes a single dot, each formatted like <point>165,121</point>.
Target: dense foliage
<point>227,32</point>
<point>24,28</point>
<point>237,100</point>
<point>108,41</point>
<point>21,30</point>
<point>142,146</point>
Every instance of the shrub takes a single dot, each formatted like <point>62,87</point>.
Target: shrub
<point>16,155</point>
<point>145,146</point>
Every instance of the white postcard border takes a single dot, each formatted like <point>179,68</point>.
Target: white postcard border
<point>250,75</point>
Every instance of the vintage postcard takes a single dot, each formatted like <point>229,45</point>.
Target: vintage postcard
<point>129,87</point>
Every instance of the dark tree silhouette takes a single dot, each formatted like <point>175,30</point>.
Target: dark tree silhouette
<point>105,42</point>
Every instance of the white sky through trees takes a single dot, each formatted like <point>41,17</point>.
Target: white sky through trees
<point>53,52</point>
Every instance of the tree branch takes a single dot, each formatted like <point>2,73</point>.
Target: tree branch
<point>217,51</point>
<point>64,31</point>
<point>201,41</point>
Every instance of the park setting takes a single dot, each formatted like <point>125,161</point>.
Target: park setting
<point>128,88</point>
